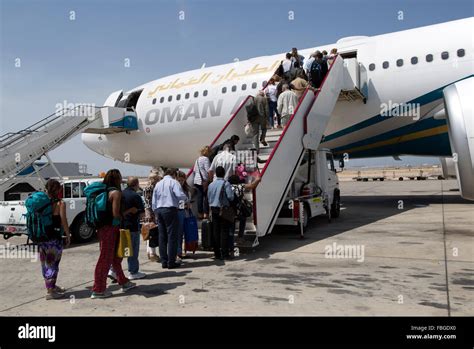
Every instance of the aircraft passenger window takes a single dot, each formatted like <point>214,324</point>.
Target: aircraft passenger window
<point>234,88</point>
<point>205,93</point>
<point>254,85</point>
<point>371,66</point>
<point>186,95</point>
<point>445,55</point>
<point>170,98</point>
<point>244,87</point>
<point>264,83</point>
<point>196,94</point>
<point>178,97</point>
<point>162,99</point>
<point>154,101</point>
<point>399,62</point>
<point>429,58</point>
<point>224,89</point>
<point>414,60</point>
<point>461,52</point>
<point>385,65</point>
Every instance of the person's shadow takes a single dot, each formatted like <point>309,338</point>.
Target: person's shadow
<point>143,290</point>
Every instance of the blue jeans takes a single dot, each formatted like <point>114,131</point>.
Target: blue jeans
<point>272,109</point>
<point>133,265</point>
<point>181,216</point>
<point>168,224</point>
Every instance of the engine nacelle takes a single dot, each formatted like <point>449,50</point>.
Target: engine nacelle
<point>459,106</point>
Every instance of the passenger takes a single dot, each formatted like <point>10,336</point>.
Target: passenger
<point>299,71</point>
<point>181,178</point>
<point>318,71</point>
<point>167,198</point>
<point>299,85</point>
<point>152,242</point>
<point>332,56</point>
<point>227,160</point>
<point>253,123</point>
<point>239,189</point>
<point>201,182</point>
<point>271,93</point>
<point>232,142</point>
<point>132,205</point>
<point>308,62</point>
<point>262,107</point>
<point>287,64</point>
<point>220,194</point>
<point>108,235</point>
<point>287,103</point>
<point>50,248</point>
<point>296,57</point>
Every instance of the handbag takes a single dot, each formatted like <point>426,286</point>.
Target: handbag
<point>226,212</point>
<point>145,230</point>
<point>125,248</point>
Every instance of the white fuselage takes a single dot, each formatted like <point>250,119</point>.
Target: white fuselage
<point>171,132</point>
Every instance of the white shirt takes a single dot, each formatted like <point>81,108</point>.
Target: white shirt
<point>271,91</point>
<point>287,102</point>
<point>168,193</point>
<point>226,160</point>
<point>287,64</point>
<point>307,65</point>
<point>201,167</point>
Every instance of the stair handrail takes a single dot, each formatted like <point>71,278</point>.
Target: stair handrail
<point>38,125</point>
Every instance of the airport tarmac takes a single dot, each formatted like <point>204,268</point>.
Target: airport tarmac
<point>418,259</point>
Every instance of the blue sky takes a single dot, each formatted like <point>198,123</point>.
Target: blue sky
<point>82,60</point>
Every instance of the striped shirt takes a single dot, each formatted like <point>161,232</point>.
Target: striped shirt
<point>201,167</point>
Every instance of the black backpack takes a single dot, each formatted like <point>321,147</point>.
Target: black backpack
<point>252,112</point>
<point>315,72</point>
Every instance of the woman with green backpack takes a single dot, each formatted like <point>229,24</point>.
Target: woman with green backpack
<point>108,230</point>
<point>50,244</point>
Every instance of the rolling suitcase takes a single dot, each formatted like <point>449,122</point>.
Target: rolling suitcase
<point>206,235</point>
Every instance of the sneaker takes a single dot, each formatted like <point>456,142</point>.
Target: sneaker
<point>153,257</point>
<point>264,143</point>
<point>137,276</point>
<point>128,286</point>
<point>99,295</point>
<point>54,295</point>
<point>59,289</point>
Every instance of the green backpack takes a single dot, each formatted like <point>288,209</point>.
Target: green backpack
<point>39,216</point>
<point>97,195</point>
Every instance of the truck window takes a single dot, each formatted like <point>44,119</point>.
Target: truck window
<point>330,162</point>
<point>78,189</point>
<point>67,190</point>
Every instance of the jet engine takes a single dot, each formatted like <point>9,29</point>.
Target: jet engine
<point>459,107</point>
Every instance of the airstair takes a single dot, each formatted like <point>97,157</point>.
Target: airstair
<point>284,153</point>
<point>19,150</point>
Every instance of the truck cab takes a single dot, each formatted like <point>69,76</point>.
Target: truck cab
<point>314,191</point>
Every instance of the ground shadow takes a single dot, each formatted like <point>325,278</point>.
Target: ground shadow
<point>357,211</point>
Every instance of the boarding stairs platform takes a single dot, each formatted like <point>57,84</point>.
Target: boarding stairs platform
<point>285,150</point>
<point>19,150</point>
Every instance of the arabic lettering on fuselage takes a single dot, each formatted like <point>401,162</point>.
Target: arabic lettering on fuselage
<point>229,76</point>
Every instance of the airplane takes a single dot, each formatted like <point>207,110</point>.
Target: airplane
<point>414,83</point>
